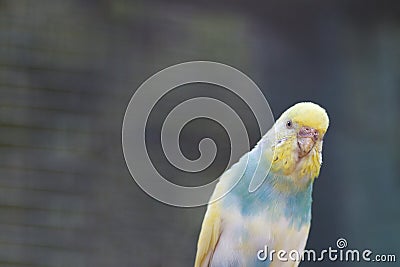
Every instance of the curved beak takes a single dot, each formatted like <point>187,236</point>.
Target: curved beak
<point>306,139</point>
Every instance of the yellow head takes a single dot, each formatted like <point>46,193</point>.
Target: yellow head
<point>298,144</point>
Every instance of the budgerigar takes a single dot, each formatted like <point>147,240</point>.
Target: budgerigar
<point>278,214</point>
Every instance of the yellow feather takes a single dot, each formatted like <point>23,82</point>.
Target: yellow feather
<point>308,114</point>
<point>284,159</point>
<point>209,235</point>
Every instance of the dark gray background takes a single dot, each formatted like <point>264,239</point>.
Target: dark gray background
<point>69,68</point>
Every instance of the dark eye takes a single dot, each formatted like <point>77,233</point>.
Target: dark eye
<point>289,124</point>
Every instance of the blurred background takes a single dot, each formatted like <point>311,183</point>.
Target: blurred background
<point>69,68</point>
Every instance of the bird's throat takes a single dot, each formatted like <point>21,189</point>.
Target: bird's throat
<point>298,163</point>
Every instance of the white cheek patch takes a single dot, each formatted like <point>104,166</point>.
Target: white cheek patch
<point>320,152</point>
<point>281,141</point>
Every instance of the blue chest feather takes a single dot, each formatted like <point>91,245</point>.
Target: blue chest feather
<point>292,203</point>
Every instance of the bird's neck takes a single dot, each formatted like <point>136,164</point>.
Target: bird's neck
<point>278,194</point>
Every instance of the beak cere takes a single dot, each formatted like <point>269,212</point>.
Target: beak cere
<point>306,139</point>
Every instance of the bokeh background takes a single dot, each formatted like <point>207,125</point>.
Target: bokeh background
<point>69,68</point>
